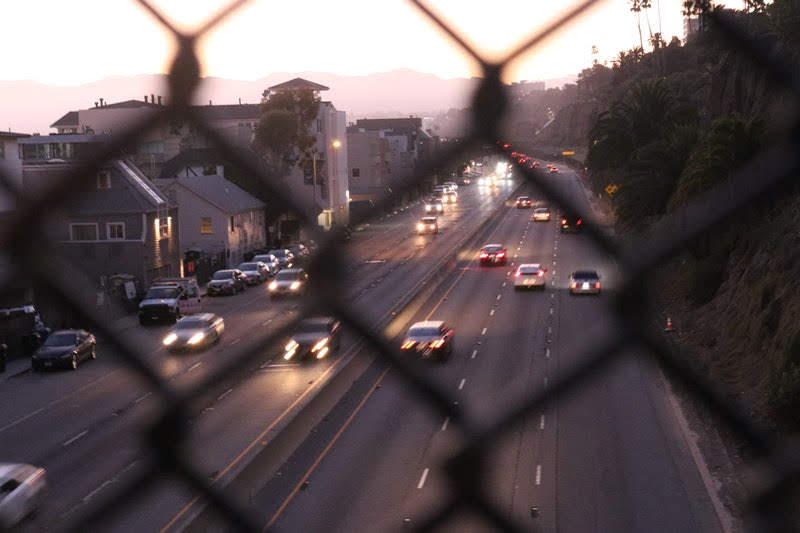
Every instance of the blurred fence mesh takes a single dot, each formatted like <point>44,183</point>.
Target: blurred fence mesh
<point>24,240</point>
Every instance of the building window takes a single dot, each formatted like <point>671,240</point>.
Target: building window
<point>206,228</point>
<point>115,231</point>
<point>232,225</point>
<point>319,126</point>
<point>356,172</point>
<point>83,232</point>
<point>104,179</point>
<point>209,170</point>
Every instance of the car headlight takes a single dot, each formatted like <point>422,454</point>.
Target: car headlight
<point>169,339</point>
<point>197,337</point>
<point>420,227</point>
<point>295,285</point>
<point>428,208</point>
<point>320,344</point>
<point>273,285</point>
<point>291,349</point>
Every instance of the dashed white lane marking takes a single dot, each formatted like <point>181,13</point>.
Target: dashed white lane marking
<point>545,382</point>
<point>422,479</point>
<point>474,353</point>
<point>504,284</point>
<point>541,422</point>
<point>76,437</point>
<point>236,341</point>
<point>547,353</point>
<point>549,329</point>
<point>491,312</point>
<point>446,421</point>
<point>96,491</point>
<point>221,396</point>
<point>508,273</point>
<point>499,296</point>
<point>461,385</point>
<point>538,474</point>
<point>266,322</point>
<point>551,310</point>
<point>483,332</point>
<point>142,398</point>
<point>554,263</point>
<point>552,295</point>
<point>194,366</point>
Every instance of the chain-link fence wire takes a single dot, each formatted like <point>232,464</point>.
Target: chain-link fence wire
<point>25,240</point>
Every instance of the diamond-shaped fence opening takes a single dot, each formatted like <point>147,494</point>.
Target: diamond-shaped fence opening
<point>170,434</point>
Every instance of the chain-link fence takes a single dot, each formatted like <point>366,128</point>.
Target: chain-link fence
<point>25,241</point>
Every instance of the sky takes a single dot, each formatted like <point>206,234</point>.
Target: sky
<point>80,41</point>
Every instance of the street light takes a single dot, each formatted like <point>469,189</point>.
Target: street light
<point>336,144</point>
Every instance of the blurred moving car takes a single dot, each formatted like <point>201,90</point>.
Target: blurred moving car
<point>22,487</point>
<point>228,281</point>
<point>541,214</point>
<point>529,276</point>
<point>428,225</point>
<point>431,339</point>
<point>285,257</point>
<point>254,272</point>
<point>450,197</point>
<point>524,202</point>
<point>291,281</point>
<point>433,205</point>
<point>452,184</point>
<point>493,254</point>
<point>554,170</point>
<point>65,348</point>
<point>270,260</point>
<point>584,282</point>
<point>316,337</point>
<point>571,223</point>
<point>195,331</point>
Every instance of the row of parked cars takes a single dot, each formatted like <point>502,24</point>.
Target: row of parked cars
<point>259,269</point>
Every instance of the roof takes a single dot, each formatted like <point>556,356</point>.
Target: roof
<point>13,135</point>
<point>221,193</point>
<point>396,124</point>
<point>127,104</point>
<point>70,119</point>
<point>428,324</point>
<point>65,138</point>
<point>298,83</point>
<point>140,183</point>
<point>232,111</point>
<point>192,157</point>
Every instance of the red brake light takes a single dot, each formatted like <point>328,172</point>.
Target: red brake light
<point>484,254</point>
<point>501,254</point>
<point>580,222</point>
<point>597,285</point>
<point>506,145</point>
<point>513,154</point>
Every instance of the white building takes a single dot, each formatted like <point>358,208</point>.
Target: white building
<point>10,166</point>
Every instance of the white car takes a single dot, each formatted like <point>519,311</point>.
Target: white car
<point>529,276</point>
<point>195,332</point>
<point>541,214</point>
<point>22,487</point>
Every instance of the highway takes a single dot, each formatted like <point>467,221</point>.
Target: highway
<point>84,426</point>
<point>608,458</point>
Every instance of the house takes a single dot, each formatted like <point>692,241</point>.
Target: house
<point>121,225</point>
<point>10,166</point>
<point>217,218</point>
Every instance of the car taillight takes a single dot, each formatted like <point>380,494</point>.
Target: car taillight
<point>579,222</point>
<point>501,254</point>
<point>597,285</point>
<point>563,221</point>
<point>484,255</point>
<point>573,285</point>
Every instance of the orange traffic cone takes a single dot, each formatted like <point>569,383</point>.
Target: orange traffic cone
<point>669,327</point>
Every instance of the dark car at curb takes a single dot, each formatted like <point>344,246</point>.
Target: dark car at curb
<point>228,281</point>
<point>65,348</point>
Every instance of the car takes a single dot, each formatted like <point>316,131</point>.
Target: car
<point>450,197</point>
<point>571,223</point>
<point>524,202</point>
<point>452,184</point>
<point>553,170</point>
<point>299,251</point>
<point>431,339</point>
<point>65,348</point>
<point>493,254</point>
<point>195,331</point>
<point>273,265</point>
<point>161,303</point>
<point>22,487</point>
<point>433,205</point>
<point>541,214</point>
<point>584,282</point>
<point>285,257</point>
<point>191,300</point>
<point>228,281</point>
<point>315,338</point>
<point>535,164</point>
<point>427,225</point>
<point>255,272</point>
<point>288,282</point>
<point>529,276</point>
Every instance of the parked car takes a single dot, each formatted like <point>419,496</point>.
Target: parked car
<point>255,272</point>
<point>65,348</point>
<point>161,303</point>
<point>22,487</point>
<point>432,339</point>
<point>285,257</point>
<point>195,331</point>
<point>299,251</point>
<point>228,281</point>
<point>315,337</point>
<point>191,300</point>
<point>288,282</point>
<point>270,260</point>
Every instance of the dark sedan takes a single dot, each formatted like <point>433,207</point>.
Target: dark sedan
<point>432,339</point>
<point>228,281</point>
<point>65,348</point>
<point>315,338</point>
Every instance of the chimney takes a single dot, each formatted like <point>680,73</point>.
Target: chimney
<point>159,100</point>
<point>209,102</point>
<point>145,99</point>
<point>240,101</point>
<point>95,103</point>
<point>152,98</point>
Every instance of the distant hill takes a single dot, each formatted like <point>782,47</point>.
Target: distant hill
<point>29,106</point>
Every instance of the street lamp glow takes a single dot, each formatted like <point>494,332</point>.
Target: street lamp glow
<point>336,143</point>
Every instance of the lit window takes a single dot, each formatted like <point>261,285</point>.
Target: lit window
<point>83,232</point>
<point>206,228</point>
<point>115,231</point>
<point>104,179</point>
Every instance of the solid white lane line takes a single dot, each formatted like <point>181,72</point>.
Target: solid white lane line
<point>142,397</point>
<point>221,396</point>
<point>194,366</point>
<point>474,353</point>
<point>541,422</point>
<point>236,341</point>
<point>538,474</point>
<point>491,312</point>
<point>446,421</point>
<point>422,479</point>
<point>76,437</point>
<point>461,385</point>
<point>483,332</point>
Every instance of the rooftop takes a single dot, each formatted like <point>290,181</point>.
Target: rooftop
<point>296,84</point>
<point>216,190</point>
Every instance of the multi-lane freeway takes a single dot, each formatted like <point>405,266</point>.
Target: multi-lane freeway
<point>608,458</point>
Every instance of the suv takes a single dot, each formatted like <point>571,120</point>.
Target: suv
<point>191,301</point>
<point>161,303</point>
<point>571,223</point>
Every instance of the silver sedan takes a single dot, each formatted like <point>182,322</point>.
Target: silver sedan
<point>195,331</point>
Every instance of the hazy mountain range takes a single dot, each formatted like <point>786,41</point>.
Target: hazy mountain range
<point>28,106</point>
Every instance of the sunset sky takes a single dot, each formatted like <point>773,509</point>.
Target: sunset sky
<point>80,41</point>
